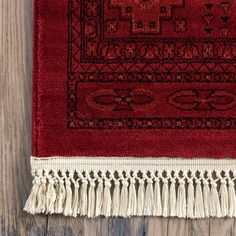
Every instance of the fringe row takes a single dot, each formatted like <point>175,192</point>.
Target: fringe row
<point>184,193</point>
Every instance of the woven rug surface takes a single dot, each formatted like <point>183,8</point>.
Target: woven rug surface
<point>134,108</point>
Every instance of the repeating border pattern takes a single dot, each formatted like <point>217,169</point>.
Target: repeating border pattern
<point>193,72</point>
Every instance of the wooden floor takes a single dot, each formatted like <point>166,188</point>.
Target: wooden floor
<point>15,137</point>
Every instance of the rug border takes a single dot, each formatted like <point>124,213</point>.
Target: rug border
<point>92,187</point>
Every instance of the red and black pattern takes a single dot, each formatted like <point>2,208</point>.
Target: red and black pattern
<point>136,66</point>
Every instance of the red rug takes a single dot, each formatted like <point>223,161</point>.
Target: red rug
<point>134,108</point>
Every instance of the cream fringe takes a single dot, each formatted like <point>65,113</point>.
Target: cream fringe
<point>196,188</point>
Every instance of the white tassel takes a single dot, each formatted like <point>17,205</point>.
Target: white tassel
<point>181,206</point>
<point>50,196</point>
<point>165,198</point>
<point>41,196</point>
<point>106,206</point>
<point>75,204</point>
<point>84,198</point>
<point>91,199</point>
<point>206,197</point>
<point>124,198</point>
<point>68,201</point>
<point>199,205</point>
<point>99,197</point>
<point>116,198</point>
<point>61,195</point>
<point>224,198</point>
<point>132,204</point>
<point>215,209</point>
<point>157,208</point>
<point>172,197</point>
<point>149,200</point>
<point>141,193</point>
<point>31,203</point>
<point>190,199</point>
<point>232,199</point>
<point>89,193</point>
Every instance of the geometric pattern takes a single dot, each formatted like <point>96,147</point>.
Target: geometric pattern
<point>131,65</point>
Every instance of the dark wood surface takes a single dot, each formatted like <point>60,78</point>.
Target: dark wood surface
<point>15,137</point>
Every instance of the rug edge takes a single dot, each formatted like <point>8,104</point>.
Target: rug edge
<point>129,186</point>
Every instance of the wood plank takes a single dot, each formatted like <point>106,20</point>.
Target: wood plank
<point>199,227</point>
<point>178,225</point>
<point>137,226</point>
<point>157,226</point>
<point>97,226</point>
<point>60,226</point>
<point>15,107</point>
<point>222,227</point>
<point>32,226</point>
<point>134,226</point>
<point>234,227</point>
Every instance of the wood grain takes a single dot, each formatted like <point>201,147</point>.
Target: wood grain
<point>15,150</point>
<point>224,226</point>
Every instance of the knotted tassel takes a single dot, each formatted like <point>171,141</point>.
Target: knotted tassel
<point>232,198</point>
<point>172,197</point>
<point>68,201</point>
<point>124,198</point>
<point>165,198</point>
<point>157,208</point>
<point>61,195</point>
<point>224,198</point>
<point>181,206</point>
<point>30,205</point>
<point>141,193</point>
<point>206,197</point>
<point>41,196</point>
<point>91,198</point>
<point>199,205</point>
<point>149,200</point>
<point>215,209</point>
<point>190,199</point>
<point>84,198</point>
<point>106,206</point>
<point>75,204</point>
<point>51,195</point>
<point>116,198</point>
<point>132,203</point>
<point>99,196</point>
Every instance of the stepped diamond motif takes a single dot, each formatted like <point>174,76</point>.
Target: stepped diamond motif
<point>146,15</point>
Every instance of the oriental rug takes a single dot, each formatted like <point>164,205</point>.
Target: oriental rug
<point>134,108</point>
